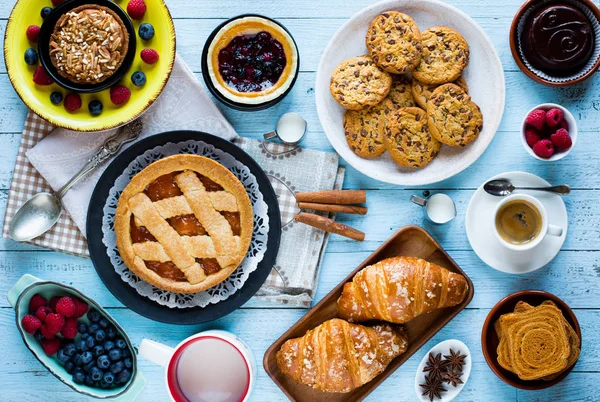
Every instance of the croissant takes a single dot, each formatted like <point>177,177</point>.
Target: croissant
<point>399,289</point>
<point>338,356</point>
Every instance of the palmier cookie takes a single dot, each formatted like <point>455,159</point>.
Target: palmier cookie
<point>364,129</point>
<point>358,83</point>
<point>421,92</point>
<point>445,55</point>
<point>408,139</point>
<point>394,42</point>
<point>454,119</point>
<point>401,92</point>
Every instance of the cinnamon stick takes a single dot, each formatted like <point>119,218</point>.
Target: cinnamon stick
<point>345,209</point>
<point>338,197</point>
<point>329,225</point>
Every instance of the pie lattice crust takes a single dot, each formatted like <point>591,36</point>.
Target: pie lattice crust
<point>184,223</point>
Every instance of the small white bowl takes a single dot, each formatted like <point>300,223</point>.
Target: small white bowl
<point>572,131</point>
<point>444,349</point>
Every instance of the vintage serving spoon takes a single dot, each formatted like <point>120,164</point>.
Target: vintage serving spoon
<point>42,211</point>
<point>503,187</point>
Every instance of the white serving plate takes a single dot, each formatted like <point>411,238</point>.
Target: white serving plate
<point>484,75</point>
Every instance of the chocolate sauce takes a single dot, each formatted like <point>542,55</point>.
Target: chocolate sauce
<point>558,40</point>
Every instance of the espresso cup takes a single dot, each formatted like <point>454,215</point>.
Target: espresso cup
<point>196,372</point>
<point>544,227</point>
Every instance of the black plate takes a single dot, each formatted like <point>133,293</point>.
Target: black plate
<point>128,295</point>
<point>236,105</point>
<point>44,45</point>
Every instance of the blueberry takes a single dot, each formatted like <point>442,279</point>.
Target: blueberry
<point>115,354</point>
<point>79,370</point>
<point>70,349</point>
<point>100,335</point>
<point>78,378</point>
<point>117,367</point>
<point>96,374</point>
<point>82,327</point>
<point>90,342</point>
<point>95,107</point>
<point>85,336</point>
<point>98,351</point>
<point>93,328</point>
<point>146,31</point>
<point>81,345</point>
<point>104,385</point>
<point>61,356</point>
<point>89,366</point>
<point>123,376</point>
<point>70,367</point>
<point>45,12</point>
<point>138,78</point>
<point>128,362</point>
<point>126,352</point>
<point>108,345</point>
<point>38,336</point>
<point>103,362</point>
<point>86,357</point>
<point>93,315</point>
<point>121,344</point>
<point>77,359</point>
<point>108,378</point>
<point>103,323</point>
<point>31,57</point>
<point>89,381</point>
<point>111,332</point>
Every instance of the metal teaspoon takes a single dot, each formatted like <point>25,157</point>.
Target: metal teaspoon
<point>42,211</point>
<point>503,187</point>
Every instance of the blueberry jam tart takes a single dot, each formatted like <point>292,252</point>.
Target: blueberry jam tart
<point>252,61</point>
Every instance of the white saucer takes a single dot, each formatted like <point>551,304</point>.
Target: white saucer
<point>444,349</point>
<point>480,227</point>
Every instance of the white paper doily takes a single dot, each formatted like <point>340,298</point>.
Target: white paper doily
<point>236,280</point>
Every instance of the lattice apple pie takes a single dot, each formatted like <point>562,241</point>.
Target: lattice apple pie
<point>184,223</point>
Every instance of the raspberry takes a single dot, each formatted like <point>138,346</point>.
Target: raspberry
<point>561,139</point>
<point>532,136</point>
<point>35,302</point>
<point>69,330</point>
<point>536,119</point>
<point>46,333</point>
<point>81,308</point>
<point>41,77</point>
<point>53,302</point>
<point>54,323</point>
<point>32,33</point>
<point>51,346</point>
<point>119,94</point>
<point>554,117</point>
<point>564,124</point>
<point>30,323</point>
<point>543,148</point>
<point>42,312</point>
<point>56,2</point>
<point>149,56</point>
<point>65,306</point>
<point>136,9</point>
<point>72,102</point>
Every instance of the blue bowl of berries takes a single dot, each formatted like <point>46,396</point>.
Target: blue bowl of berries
<point>75,339</point>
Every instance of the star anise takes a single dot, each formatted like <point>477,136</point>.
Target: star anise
<point>432,388</point>
<point>435,365</point>
<point>452,376</point>
<point>455,360</point>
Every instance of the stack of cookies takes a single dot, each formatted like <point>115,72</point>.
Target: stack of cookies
<point>407,95</point>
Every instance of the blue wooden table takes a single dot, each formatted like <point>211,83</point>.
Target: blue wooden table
<point>574,275</point>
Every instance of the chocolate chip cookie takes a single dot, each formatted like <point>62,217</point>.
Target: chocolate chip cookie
<point>454,119</point>
<point>358,83</point>
<point>394,42</point>
<point>445,55</point>
<point>421,92</point>
<point>365,129</point>
<point>401,91</point>
<point>408,139</point>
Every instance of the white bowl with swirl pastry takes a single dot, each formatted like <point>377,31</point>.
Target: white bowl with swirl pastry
<point>484,75</point>
<point>444,348</point>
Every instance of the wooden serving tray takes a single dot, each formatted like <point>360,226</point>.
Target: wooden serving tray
<point>409,241</point>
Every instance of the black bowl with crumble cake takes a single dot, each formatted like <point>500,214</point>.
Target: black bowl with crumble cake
<point>87,46</point>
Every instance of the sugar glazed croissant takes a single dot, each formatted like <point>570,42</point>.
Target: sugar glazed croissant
<point>338,356</point>
<point>399,289</point>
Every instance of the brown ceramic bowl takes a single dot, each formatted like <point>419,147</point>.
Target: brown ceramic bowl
<point>489,339</point>
<point>515,51</point>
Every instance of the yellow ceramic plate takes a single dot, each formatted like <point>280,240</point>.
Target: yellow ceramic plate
<point>37,98</point>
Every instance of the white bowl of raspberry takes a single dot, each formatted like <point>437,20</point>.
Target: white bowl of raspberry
<point>548,132</point>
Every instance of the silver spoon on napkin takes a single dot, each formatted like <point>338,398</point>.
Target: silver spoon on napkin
<point>42,211</point>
